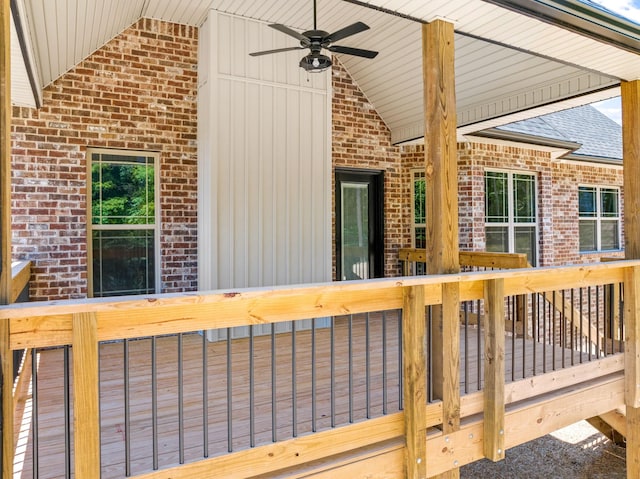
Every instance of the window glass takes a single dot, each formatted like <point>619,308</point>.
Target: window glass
<point>419,209</point>
<point>588,237</point>
<point>609,198</point>
<point>496,197</point>
<point>524,198</point>
<point>510,213</point>
<point>599,212</point>
<point>497,238</point>
<point>123,223</point>
<point>587,201</point>
<point>609,235</point>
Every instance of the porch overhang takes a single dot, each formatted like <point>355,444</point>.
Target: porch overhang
<point>512,63</point>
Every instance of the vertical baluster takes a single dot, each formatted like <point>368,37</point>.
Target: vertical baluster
<point>350,368</point>
<point>333,370</point>
<point>367,367</point>
<point>400,367</point>
<point>598,319</point>
<point>564,329</point>
<point>589,313</point>
<point>313,376</point>
<point>252,396</point>
<point>572,330</point>
<point>510,303</point>
<point>180,400</point>
<point>581,336</point>
<point>535,333</point>
<point>554,333</point>
<point>34,422</point>
<point>621,313</point>
<point>384,363</point>
<point>154,401</point>
<point>465,309</point>
<point>229,392</point>
<point>127,410</point>
<point>274,388</point>
<point>67,415</point>
<point>294,384</point>
<point>545,339</point>
<point>479,366</point>
<point>205,395</point>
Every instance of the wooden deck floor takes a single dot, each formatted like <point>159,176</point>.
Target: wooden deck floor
<point>259,413</point>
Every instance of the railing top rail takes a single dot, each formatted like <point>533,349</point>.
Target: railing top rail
<point>49,323</point>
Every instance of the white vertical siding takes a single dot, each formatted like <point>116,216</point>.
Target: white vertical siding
<point>264,160</point>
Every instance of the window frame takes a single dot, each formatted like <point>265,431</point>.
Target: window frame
<point>511,224</point>
<point>114,227</point>
<point>598,218</point>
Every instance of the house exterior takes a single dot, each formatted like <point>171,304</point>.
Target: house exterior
<point>166,159</point>
<point>138,93</point>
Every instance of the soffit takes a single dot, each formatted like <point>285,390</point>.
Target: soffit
<point>543,68</point>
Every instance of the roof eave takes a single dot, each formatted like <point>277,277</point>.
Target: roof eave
<point>500,134</point>
<point>581,18</point>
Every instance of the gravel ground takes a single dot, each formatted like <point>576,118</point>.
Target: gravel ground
<point>575,452</point>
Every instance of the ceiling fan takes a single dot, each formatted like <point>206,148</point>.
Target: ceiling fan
<point>315,40</point>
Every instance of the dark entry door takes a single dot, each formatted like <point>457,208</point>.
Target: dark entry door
<point>359,224</point>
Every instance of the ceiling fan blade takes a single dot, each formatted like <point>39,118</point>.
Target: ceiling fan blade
<point>346,32</point>
<point>358,52</point>
<point>290,32</point>
<point>277,50</point>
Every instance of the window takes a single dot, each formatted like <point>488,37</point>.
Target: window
<point>599,215</point>
<point>418,195</point>
<point>510,213</point>
<point>123,223</point>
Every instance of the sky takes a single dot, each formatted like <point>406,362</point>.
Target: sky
<point>629,9</point>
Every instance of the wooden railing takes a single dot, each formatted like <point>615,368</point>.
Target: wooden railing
<point>597,386</point>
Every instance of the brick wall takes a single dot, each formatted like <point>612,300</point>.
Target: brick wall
<point>362,140</point>
<point>137,92</point>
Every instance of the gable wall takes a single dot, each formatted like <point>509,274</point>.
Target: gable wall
<point>137,92</point>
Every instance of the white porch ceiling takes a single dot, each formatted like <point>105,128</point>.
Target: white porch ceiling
<point>508,66</point>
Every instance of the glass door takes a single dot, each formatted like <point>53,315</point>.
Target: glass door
<point>359,226</point>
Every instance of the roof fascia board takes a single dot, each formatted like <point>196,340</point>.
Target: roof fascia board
<point>22,31</point>
<point>580,18</point>
<point>499,134</point>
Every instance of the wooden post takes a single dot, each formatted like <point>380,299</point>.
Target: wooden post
<point>86,404</point>
<point>450,312</point>
<point>441,173</point>
<point>414,384</point>
<point>630,92</point>
<point>6,355</point>
<point>494,354</point>
<point>632,337</point>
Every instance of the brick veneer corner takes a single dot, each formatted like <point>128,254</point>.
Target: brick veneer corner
<point>137,92</point>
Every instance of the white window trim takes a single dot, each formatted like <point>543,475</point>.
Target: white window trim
<point>598,219</point>
<point>511,223</point>
<point>156,227</point>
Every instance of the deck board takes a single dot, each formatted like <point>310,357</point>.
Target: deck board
<point>50,386</point>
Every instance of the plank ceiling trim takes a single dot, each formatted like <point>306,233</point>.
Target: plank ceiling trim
<point>508,65</point>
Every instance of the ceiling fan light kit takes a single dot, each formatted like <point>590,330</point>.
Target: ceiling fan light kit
<point>315,40</point>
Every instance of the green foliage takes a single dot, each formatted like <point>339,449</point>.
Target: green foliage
<point>122,193</point>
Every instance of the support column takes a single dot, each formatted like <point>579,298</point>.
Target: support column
<point>6,355</point>
<point>441,172</point>
<point>631,163</point>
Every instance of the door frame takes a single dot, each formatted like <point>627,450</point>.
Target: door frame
<point>375,178</point>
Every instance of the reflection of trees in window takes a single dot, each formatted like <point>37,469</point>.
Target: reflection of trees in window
<point>123,224</point>
<point>419,209</point>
